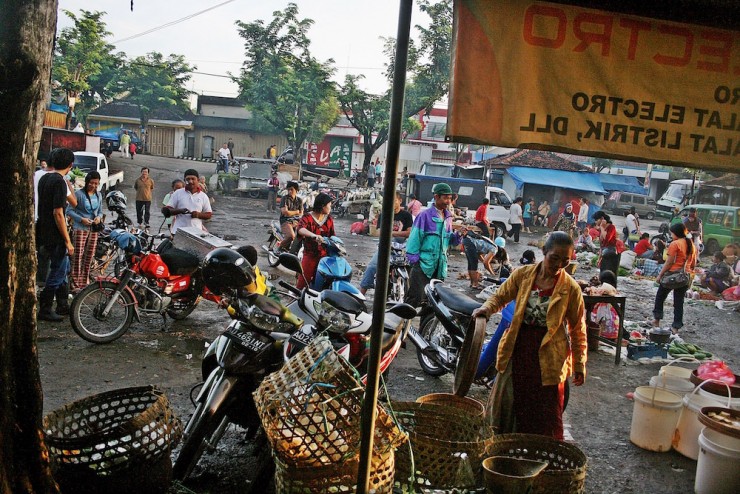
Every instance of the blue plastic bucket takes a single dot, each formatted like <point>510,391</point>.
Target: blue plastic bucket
<point>488,355</point>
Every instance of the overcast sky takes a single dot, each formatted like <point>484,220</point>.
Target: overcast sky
<point>348,31</point>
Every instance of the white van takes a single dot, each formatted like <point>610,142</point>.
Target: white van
<point>678,194</point>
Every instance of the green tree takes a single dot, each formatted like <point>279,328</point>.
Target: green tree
<point>153,82</point>
<point>429,73</point>
<point>81,55</point>
<point>282,82</point>
<point>601,164</point>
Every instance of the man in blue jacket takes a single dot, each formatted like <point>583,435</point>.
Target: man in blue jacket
<point>426,249</point>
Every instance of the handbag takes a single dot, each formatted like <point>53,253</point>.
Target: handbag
<point>676,279</point>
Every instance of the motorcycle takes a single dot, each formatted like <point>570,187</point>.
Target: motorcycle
<point>333,271</point>
<point>234,365</point>
<point>664,234</point>
<point>165,281</point>
<point>398,277</point>
<point>272,247</point>
<point>346,321</point>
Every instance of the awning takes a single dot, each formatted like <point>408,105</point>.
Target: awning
<point>622,183</point>
<point>588,182</point>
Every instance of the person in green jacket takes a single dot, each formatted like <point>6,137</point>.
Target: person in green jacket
<point>426,249</point>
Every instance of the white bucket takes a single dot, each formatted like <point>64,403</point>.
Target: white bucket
<point>718,467</point>
<point>678,385</point>
<point>654,418</point>
<point>680,372</point>
<point>734,402</point>
<point>686,436</point>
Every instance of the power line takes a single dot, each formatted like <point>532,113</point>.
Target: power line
<point>172,23</point>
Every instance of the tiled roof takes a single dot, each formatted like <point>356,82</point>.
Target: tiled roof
<point>535,159</point>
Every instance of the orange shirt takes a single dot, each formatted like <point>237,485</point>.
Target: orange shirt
<point>678,248</point>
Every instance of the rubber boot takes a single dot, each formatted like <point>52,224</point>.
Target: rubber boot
<point>46,300</point>
<point>62,296</point>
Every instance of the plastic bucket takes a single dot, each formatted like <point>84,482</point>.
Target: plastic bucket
<point>490,351</point>
<point>654,418</point>
<point>507,475</point>
<point>686,435</point>
<point>676,384</point>
<point>717,469</point>
<point>674,371</point>
<point>734,402</point>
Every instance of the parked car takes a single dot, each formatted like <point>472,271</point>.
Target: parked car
<point>720,224</point>
<point>621,202</point>
<point>114,137</point>
<point>88,162</point>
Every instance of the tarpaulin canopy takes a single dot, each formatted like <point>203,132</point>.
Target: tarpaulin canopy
<point>588,182</point>
<point>621,183</point>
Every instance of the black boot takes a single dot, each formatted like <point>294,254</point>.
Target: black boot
<point>62,296</point>
<point>46,300</point>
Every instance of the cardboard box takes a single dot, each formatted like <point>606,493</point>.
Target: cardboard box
<point>197,242</point>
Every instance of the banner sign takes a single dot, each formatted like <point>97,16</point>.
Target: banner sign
<point>564,78</point>
<point>329,151</point>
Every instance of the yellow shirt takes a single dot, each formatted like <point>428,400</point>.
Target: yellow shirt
<point>564,347</point>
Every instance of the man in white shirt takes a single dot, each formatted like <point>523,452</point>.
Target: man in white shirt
<point>515,219</point>
<point>190,204</point>
<point>223,158</point>
<point>583,214</point>
<point>633,228</point>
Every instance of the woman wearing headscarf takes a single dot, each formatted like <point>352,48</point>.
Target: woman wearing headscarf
<point>567,221</point>
<point>86,215</point>
<point>313,226</point>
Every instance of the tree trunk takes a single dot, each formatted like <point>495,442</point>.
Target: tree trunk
<point>27,30</point>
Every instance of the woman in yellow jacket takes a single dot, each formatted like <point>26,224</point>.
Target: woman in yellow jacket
<point>545,344</point>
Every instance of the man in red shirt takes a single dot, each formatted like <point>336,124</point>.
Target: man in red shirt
<point>644,248</point>
<point>481,218</point>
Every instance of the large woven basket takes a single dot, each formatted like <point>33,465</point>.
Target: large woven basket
<point>566,471</point>
<point>466,404</point>
<point>440,439</point>
<point>310,410</point>
<point>337,478</point>
<point>117,441</point>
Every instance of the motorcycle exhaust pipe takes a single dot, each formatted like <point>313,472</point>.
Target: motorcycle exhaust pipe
<point>434,352</point>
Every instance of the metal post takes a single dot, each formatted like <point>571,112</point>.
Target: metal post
<point>381,280</point>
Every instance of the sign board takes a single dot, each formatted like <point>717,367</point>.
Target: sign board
<point>567,78</point>
<point>329,151</point>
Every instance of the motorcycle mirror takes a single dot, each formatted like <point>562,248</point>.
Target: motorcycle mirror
<point>290,262</point>
<point>403,310</point>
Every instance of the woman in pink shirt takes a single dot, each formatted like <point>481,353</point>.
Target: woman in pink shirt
<point>413,206</point>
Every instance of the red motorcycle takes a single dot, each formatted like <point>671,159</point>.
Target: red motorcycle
<point>165,281</point>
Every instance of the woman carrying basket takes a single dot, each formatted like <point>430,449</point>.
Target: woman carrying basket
<point>545,344</point>
<point>88,220</point>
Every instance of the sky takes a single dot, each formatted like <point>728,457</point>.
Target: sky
<point>348,31</point>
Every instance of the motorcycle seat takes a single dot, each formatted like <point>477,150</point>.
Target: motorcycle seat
<point>457,301</point>
<point>180,262</point>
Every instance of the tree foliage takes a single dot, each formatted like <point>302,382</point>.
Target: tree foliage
<point>153,81</point>
<point>601,164</point>
<point>428,81</point>
<point>282,82</point>
<point>83,60</point>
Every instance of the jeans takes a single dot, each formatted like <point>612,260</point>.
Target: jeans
<point>42,270</point>
<point>142,211</point>
<point>368,279</point>
<point>58,266</point>
<point>483,229</point>
<point>678,297</point>
<point>271,197</point>
<point>514,232</point>
<point>223,164</point>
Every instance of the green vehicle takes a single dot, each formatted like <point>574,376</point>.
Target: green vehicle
<point>720,225</point>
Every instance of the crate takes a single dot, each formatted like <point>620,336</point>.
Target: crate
<point>197,242</point>
<point>646,350</point>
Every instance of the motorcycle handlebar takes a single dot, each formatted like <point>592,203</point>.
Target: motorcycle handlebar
<point>289,287</point>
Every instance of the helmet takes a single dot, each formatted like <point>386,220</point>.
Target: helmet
<point>225,269</point>
<point>500,242</point>
<point>116,200</point>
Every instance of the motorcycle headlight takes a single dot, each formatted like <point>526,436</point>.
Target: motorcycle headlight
<point>332,319</point>
<point>262,320</point>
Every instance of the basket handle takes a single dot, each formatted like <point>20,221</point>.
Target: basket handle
<point>682,359</point>
<point>716,381</point>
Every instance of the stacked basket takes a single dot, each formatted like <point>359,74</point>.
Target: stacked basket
<point>310,411</point>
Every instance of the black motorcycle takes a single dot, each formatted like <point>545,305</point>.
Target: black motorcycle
<point>398,277</point>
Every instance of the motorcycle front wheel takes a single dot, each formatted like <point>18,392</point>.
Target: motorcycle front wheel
<point>180,309</point>
<point>435,333</point>
<point>203,426</point>
<point>87,320</point>
<point>272,255</point>
<point>397,288</point>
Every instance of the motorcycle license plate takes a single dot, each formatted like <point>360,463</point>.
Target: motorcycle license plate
<point>248,340</point>
<point>301,338</point>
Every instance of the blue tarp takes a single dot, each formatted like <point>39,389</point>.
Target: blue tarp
<point>621,183</point>
<point>588,182</point>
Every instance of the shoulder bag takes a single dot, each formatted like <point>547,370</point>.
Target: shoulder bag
<point>676,279</point>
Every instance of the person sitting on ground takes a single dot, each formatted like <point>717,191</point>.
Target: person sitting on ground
<point>478,248</point>
<point>594,231</point>
<point>644,248</point>
<point>718,277</point>
<point>584,242</point>
<point>603,314</point>
<point>527,258</point>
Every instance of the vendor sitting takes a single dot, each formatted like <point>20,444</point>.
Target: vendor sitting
<point>603,314</point>
<point>644,249</point>
<point>719,275</point>
<point>585,243</point>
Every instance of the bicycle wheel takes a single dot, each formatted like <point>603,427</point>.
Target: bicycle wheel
<point>86,313</point>
<point>467,360</point>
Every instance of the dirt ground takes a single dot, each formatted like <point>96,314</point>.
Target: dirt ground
<point>598,415</point>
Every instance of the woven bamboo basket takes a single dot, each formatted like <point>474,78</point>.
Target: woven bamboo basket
<point>566,471</point>
<point>438,437</point>
<point>465,404</point>
<point>311,408</point>
<point>117,441</point>
<point>337,478</point>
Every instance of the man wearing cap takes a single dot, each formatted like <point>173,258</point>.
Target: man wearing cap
<point>694,226</point>
<point>272,188</point>
<point>190,205</point>
<point>431,235</point>
<point>291,210</point>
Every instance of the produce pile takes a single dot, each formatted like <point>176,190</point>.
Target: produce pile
<point>678,350</point>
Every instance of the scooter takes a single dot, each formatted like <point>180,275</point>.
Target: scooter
<point>275,238</point>
<point>345,319</point>
<point>398,277</point>
<point>333,271</point>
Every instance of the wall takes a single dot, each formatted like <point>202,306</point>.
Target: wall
<point>225,111</point>
<point>244,143</point>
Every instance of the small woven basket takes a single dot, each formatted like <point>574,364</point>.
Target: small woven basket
<point>566,471</point>
<point>337,478</point>
<point>439,436</point>
<point>117,441</point>
<point>311,408</point>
